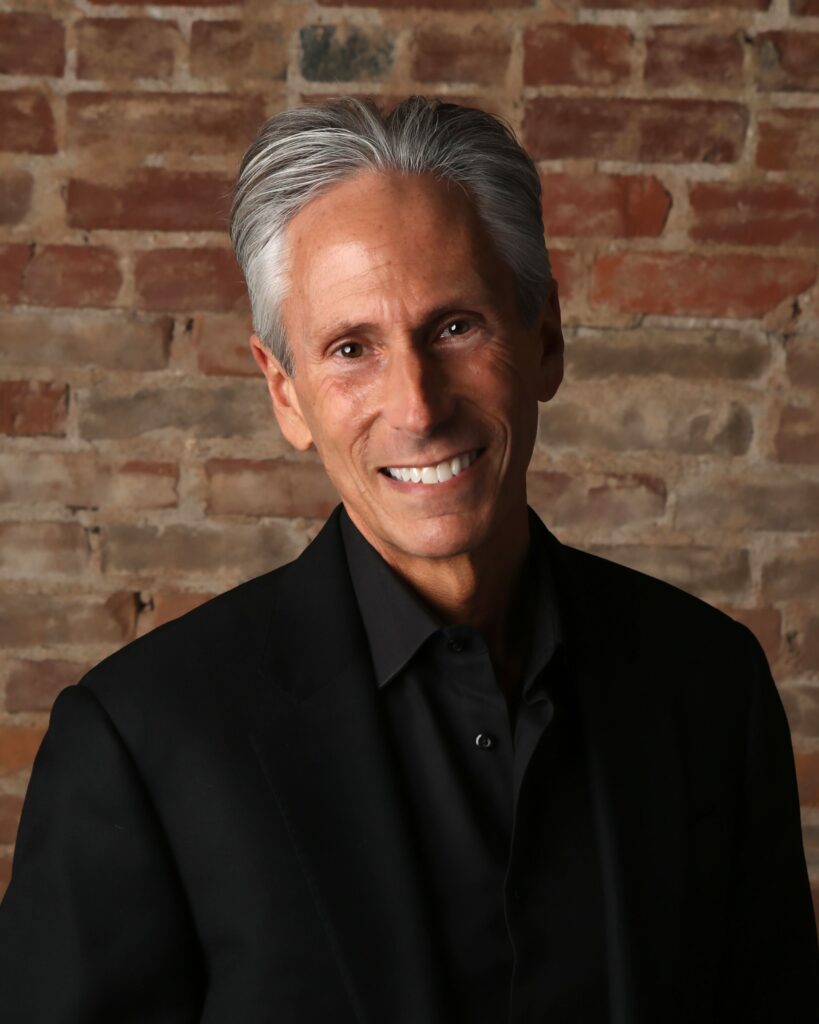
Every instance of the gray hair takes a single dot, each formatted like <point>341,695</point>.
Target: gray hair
<point>301,153</point>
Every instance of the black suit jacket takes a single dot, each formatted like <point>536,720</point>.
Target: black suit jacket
<point>213,830</point>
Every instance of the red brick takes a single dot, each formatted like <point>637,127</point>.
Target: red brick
<point>809,8</point>
<point>653,352</point>
<point>672,283</point>
<point>34,685</point>
<point>86,480</point>
<point>651,5</point>
<point>787,61</point>
<point>788,140</point>
<point>167,3</point>
<point>10,807</point>
<point>778,502</point>
<point>29,408</point>
<point>561,54</point>
<point>18,745</point>
<point>117,340</point>
<point>807,774</point>
<point>221,344</point>
<point>644,131</point>
<point>692,55</point>
<point>764,623</point>
<point>29,620</point>
<point>152,199</point>
<point>161,606</point>
<point>26,123</point>
<point>802,362</point>
<point>13,260</point>
<point>135,125</point>
<point>569,272</point>
<point>126,48</point>
<point>480,55</point>
<point>41,549</point>
<point>604,205</point>
<point>758,213</point>
<point>792,574</point>
<point>797,437</point>
<point>189,279</point>
<point>274,487</point>
<point>31,44</point>
<point>715,574</point>
<point>5,874</point>
<point>238,51</point>
<point>15,196</point>
<point>72,275</point>
<point>438,5</point>
<point>596,501</point>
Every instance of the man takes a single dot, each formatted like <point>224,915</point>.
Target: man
<point>441,767</point>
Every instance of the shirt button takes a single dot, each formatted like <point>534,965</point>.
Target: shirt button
<point>456,646</point>
<point>484,741</point>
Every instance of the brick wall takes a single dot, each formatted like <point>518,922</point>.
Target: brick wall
<point>140,467</point>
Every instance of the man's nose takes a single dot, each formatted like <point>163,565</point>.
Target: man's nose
<point>417,397</point>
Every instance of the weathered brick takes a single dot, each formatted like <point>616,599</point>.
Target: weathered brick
<point>629,419</point>
<point>5,874</point>
<point>787,61</point>
<point>644,131</point>
<point>37,549</point>
<point>26,123</point>
<point>802,361</point>
<point>565,54</point>
<point>137,125</point>
<point>480,55</point>
<point>604,205</point>
<point>152,199</point>
<point>236,551</point>
<point>692,55</point>
<point>31,44</point>
<point>439,5</point>
<point>29,408</point>
<point>235,51</point>
<point>568,271</point>
<point>650,5</point>
<point>649,352</point>
<point>13,260</point>
<point>755,213</point>
<point>34,685</point>
<point>710,573</point>
<point>792,574</point>
<point>15,196</point>
<point>708,284</point>
<point>272,487</point>
<point>189,279</point>
<point>802,708</point>
<point>72,275</point>
<point>31,620</point>
<point>755,501</point>
<point>126,48</point>
<point>86,480</point>
<point>788,140</point>
<point>807,775</point>
<point>236,409</point>
<point>809,8</point>
<point>167,3</point>
<point>797,437</point>
<point>596,501</point>
<point>221,344</point>
<point>764,623</point>
<point>18,745</point>
<point>160,606</point>
<point>345,53</point>
<point>10,807</point>
<point>120,340</point>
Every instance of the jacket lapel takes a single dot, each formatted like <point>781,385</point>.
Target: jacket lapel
<point>323,749</point>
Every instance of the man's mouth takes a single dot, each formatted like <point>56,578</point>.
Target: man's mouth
<point>437,473</point>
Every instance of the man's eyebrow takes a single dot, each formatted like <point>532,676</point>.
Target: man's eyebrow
<point>339,327</point>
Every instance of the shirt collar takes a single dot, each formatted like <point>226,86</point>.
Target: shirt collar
<point>398,621</point>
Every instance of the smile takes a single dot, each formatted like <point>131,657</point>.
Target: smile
<point>435,474</point>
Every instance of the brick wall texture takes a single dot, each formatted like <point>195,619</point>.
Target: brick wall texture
<point>141,469</point>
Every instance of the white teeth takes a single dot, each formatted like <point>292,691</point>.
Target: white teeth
<point>433,474</point>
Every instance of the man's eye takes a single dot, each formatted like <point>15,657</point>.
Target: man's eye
<point>463,324</point>
<point>350,350</point>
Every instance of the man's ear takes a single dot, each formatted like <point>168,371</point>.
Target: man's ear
<point>550,334</point>
<point>283,396</point>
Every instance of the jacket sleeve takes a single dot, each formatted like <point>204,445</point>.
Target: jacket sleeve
<point>771,968</point>
<point>94,925</point>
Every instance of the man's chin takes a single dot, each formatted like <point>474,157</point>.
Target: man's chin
<point>441,537</point>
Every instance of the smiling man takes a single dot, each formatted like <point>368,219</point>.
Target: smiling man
<point>441,768</point>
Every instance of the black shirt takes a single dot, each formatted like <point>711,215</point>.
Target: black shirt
<point>498,796</point>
